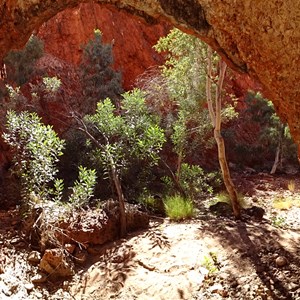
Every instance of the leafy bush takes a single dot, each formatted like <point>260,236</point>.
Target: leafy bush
<point>151,202</point>
<point>133,136</point>
<point>274,137</point>
<point>120,139</point>
<point>193,181</point>
<point>83,188</point>
<point>36,148</point>
<point>178,208</point>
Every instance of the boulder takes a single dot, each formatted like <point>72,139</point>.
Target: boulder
<point>56,263</point>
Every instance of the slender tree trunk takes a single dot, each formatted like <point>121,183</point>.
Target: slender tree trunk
<point>215,115</point>
<point>278,150</point>
<point>174,178</point>
<point>178,171</point>
<point>115,178</point>
<point>121,199</point>
<point>226,174</point>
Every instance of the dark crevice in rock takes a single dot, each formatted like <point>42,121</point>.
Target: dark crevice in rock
<point>189,12</point>
<point>231,59</point>
<point>131,10</point>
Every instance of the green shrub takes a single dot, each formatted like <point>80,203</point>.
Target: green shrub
<point>178,208</point>
<point>152,203</point>
<point>193,181</point>
<point>98,77</point>
<point>83,188</point>
<point>36,148</point>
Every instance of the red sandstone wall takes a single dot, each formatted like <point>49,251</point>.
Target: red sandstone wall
<point>133,39</point>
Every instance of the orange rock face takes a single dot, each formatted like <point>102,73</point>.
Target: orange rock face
<point>260,38</point>
<point>132,39</point>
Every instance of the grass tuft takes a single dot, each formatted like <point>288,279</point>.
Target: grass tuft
<point>224,197</point>
<point>282,203</point>
<point>178,208</point>
<point>291,186</point>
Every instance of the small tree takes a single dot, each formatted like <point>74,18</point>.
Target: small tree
<point>273,134</point>
<point>36,148</point>
<point>184,85</point>
<point>120,138</point>
<point>20,63</point>
<point>214,107</point>
<point>185,74</point>
<point>99,80</point>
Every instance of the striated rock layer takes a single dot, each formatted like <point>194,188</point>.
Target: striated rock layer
<point>132,40</point>
<point>261,38</point>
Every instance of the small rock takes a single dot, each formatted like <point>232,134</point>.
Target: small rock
<point>195,277</point>
<point>29,286</point>
<point>255,212</point>
<point>204,272</point>
<point>15,240</point>
<point>233,283</point>
<point>14,287</point>
<point>34,257</point>
<point>242,280</point>
<point>293,286</point>
<point>281,261</point>
<point>39,278</point>
<point>70,248</point>
<point>38,295</point>
<point>80,256</point>
<point>7,292</point>
<point>224,276</point>
<point>55,262</point>
<point>217,289</point>
<point>221,208</point>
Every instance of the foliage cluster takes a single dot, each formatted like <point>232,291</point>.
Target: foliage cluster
<point>121,140</point>
<point>36,150</point>
<point>193,181</point>
<point>273,132</point>
<point>20,63</point>
<point>123,132</point>
<point>98,78</point>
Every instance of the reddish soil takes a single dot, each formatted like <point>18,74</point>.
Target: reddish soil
<point>208,257</point>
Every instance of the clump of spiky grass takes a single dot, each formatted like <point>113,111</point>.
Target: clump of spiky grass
<point>224,197</point>
<point>282,203</point>
<point>178,208</point>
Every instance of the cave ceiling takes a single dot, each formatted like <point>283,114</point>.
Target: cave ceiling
<point>261,38</point>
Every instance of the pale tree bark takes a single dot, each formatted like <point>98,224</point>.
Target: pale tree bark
<point>118,186</point>
<point>278,150</point>
<point>214,109</point>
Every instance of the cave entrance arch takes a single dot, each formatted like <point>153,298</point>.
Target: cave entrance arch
<point>261,39</point>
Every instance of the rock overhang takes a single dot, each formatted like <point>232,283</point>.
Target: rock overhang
<point>261,38</point>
